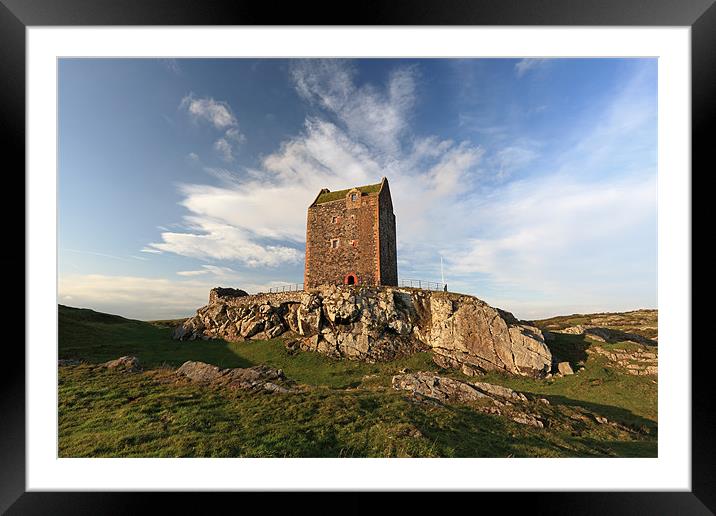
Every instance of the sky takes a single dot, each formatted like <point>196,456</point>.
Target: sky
<point>535,180</point>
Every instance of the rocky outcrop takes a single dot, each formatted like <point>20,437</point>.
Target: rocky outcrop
<point>643,362</point>
<point>126,363</point>
<point>443,388</point>
<point>607,334</point>
<point>252,378</point>
<point>379,323</point>
<point>564,368</point>
<point>447,390</point>
<point>468,334</point>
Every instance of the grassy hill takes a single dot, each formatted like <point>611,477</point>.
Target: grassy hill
<point>639,322</point>
<point>347,409</point>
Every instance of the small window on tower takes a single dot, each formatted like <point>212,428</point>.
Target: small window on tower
<point>334,243</point>
<point>354,196</point>
<point>335,220</point>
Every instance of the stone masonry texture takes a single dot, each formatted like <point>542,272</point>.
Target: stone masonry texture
<point>350,238</point>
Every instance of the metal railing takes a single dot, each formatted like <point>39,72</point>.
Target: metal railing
<point>295,287</point>
<point>411,283</point>
<point>426,285</point>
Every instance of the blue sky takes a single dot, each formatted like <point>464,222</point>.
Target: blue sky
<point>534,179</point>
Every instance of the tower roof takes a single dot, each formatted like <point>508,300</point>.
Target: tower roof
<point>328,196</point>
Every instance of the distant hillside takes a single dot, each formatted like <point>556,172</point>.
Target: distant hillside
<point>639,322</point>
<point>71,314</point>
<point>84,333</point>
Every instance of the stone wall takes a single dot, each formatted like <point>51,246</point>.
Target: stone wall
<point>357,251</point>
<point>262,298</point>
<point>379,323</point>
<point>365,232</point>
<point>224,294</point>
<point>388,258</point>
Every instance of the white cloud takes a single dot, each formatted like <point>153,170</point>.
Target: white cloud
<point>525,65</point>
<point>233,135</point>
<point>540,229</point>
<point>224,272</point>
<point>211,239</point>
<point>224,149</point>
<point>373,116</point>
<point>220,115</point>
<point>217,113</point>
<point>193,273</point>
<point>141,297</point>
<point>512,158</point>
<point>135,297</point>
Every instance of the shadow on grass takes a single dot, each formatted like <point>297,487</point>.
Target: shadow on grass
<point>569,348</point>
<point>632,448</point>
<point>97,340</point>
<point>613,335</point>
<point>464,432</point>
<point>618,414</point>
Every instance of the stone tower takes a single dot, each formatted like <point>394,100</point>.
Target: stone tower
<point>350,237</point>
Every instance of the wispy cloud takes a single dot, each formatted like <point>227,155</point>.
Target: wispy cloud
<point>223,147</point>
<point>542,231</point>
<point>525,65</point>
<point>512,158</point>
<point>373,116</point>
<point>209,239</point>
<point>220,115</point>
<point>217,113</point>
<point>225,272</point>
<point>226,146</point>
<point>171,65</point>
<point>104,255</point>
<point>142,297</point>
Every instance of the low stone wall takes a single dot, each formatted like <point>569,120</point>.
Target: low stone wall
<point>262,298</point>
<point>379,323</point>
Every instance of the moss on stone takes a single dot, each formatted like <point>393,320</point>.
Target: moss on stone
<point>340,194</point>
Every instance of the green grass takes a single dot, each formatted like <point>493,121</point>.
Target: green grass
<point>347,410</point>
<point>640,322</point>
<point>110,414</point>
<point>100,339</point>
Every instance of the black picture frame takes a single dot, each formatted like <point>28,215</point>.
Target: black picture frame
<point>17,15</point>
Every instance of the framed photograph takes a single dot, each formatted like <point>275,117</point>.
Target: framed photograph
<point>430,248</point>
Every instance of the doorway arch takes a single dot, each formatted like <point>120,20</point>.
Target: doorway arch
<point>350,279</point>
